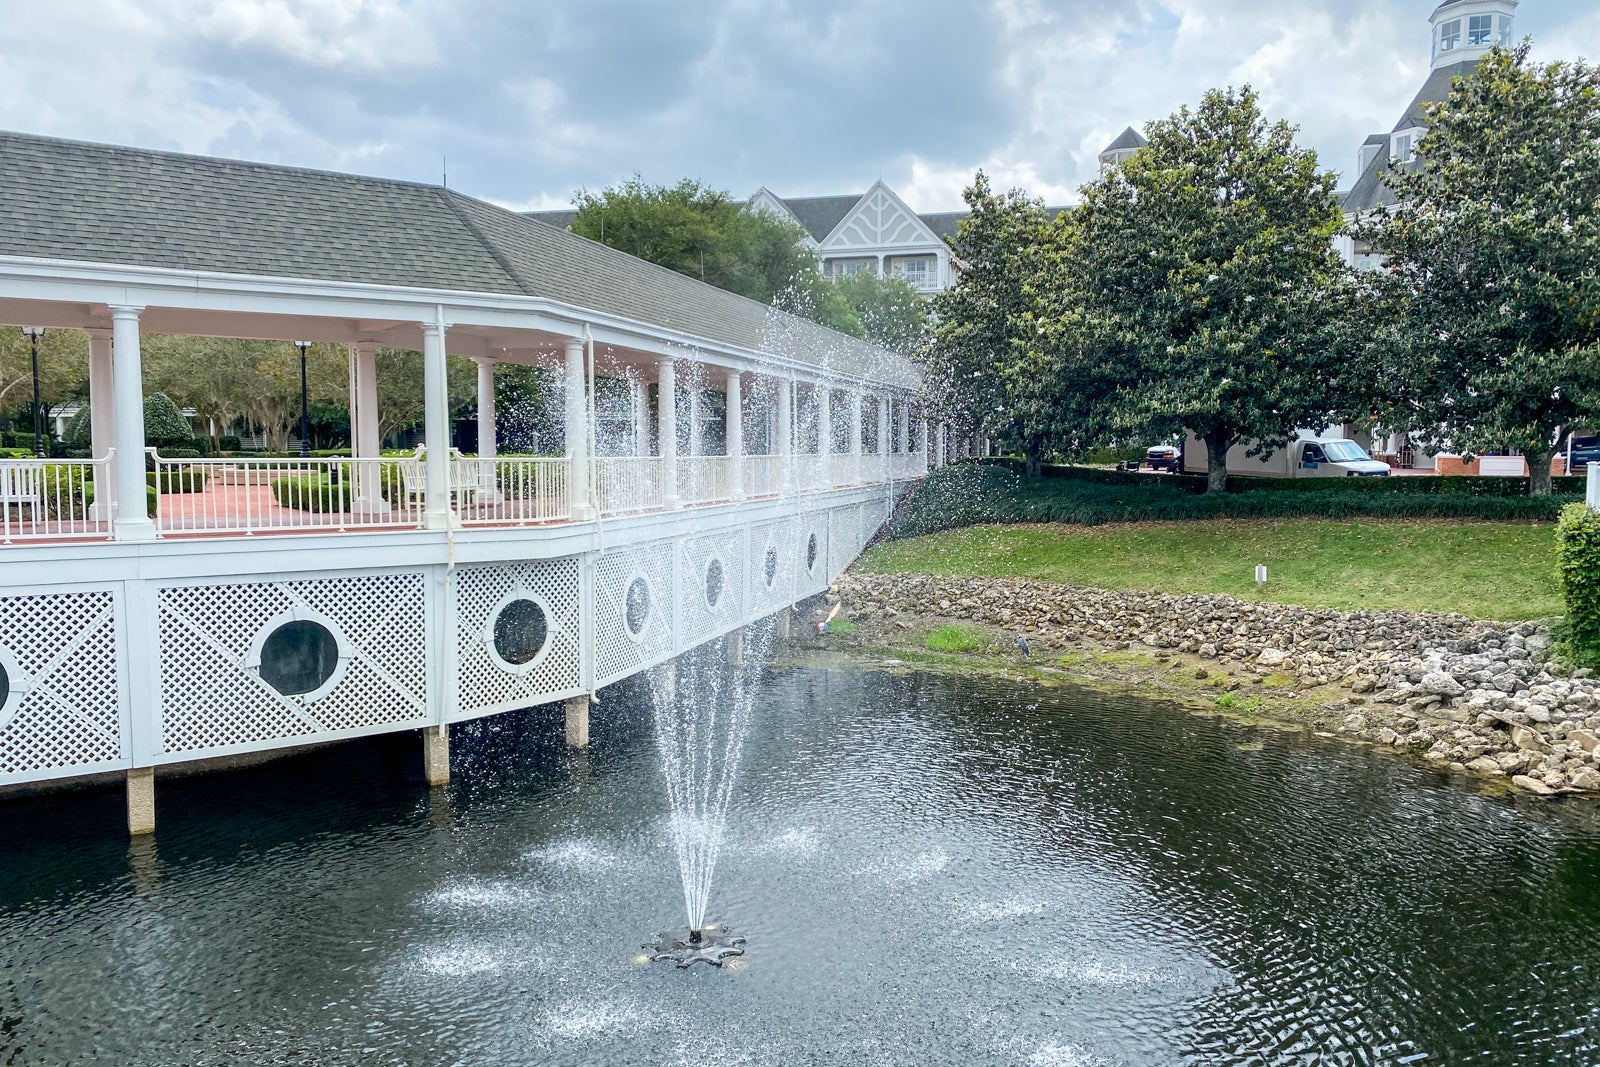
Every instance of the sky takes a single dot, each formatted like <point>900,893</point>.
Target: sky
<point>525,101</point>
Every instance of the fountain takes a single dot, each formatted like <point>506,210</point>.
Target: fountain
<point>702,705</point>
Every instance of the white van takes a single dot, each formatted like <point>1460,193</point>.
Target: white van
<point>1333,457</point>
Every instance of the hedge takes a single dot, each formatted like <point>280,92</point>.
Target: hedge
<point>1424,485</point>
<point>311,492</point>
<point>968,494</point>
<point>1578,573</point>
<point>179,480</point>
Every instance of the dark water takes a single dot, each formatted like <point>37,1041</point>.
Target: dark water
<point>930,871</point>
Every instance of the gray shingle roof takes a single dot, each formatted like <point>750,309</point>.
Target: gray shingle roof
<point>1128,138</point>
<point>1369,191</point>
<point>98,203</point>
<point>943,223</point>
<point>1433,91</point>
<point>820,214</point>
<point>561,220</point>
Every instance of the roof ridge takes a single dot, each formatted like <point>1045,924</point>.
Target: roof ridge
<point>449,197</point>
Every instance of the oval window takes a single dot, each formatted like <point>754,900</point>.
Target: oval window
<point>520,631</point>
<point>811,553</point>
<point>636,606</point>
<point>5,685</point>
<point>713,582</point>
<point>769,566</point>
<point>299,657</point>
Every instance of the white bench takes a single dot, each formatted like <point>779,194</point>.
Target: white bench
<point>466,475</point>
<point>22,484</point>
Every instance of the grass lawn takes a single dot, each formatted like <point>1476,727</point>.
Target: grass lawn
<point>1487,570</point>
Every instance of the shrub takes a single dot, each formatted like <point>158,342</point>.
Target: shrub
<point>1578,573</point>
<point>311,492</point>
<point>228,442</point>
<point>952,638</point>
<point>179,480</point>
<point>164,424</point>
<point>79,431</point>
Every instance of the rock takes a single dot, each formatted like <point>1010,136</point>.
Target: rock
<point>1443,684</point>
<point>1584,739</point>
<point>1532,785</point>
<point>1271,657</point>
<point>1585,778</point>
<point>1484,765</point>
<point>1527,739</point>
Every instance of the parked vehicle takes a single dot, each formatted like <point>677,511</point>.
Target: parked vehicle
<point>1160,458</point>
<point>1585,450</point>
<point>1335,457</point>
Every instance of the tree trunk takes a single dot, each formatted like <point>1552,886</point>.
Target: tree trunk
<point>1538,472</point>
<point>1032,460</point>
<point>1217,443</point>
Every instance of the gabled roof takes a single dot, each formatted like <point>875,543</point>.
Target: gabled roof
<point>1433,91</point>
<point>944,223</point>
<point>106,204</point>
<point>820,214</point>
<point>560,218</point>
<point>1128,138</point>
<point>1370,191</point>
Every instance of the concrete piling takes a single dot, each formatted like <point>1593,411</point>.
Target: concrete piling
<point>578,721</point>
<point>141,801</point>
<point>436,754</point>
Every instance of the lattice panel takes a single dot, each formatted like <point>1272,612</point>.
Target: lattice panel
<point>211,700</point>
<point>701,620</point>
<point>485,683</point>
<point>64,716</point>
<point>843,525</point>
<point>813,580</point>
<point>617,654</point>
<point>783,538</point>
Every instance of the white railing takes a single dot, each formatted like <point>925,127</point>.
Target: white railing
<point>703,479</point>
<point>910,465</point>
<point>764,476</point>
<point>54,498</point>
<point>316,493</point>
<point>627,483</point>
<point>510,490</point>
<point>845,469</point>
<point>810,471</point>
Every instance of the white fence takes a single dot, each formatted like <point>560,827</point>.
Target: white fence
<point>249,496</point>
<point>763,475</point>
<point>703,479</point>
<point>510,490</point>
<point>53,499</point>
<point>627,483</point>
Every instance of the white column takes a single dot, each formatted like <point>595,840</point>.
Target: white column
<point>364,435</point>
<point>922,440</point>
<point>735,436</point>
<point>880,264</point>
<point>488,492</point>
<point>696,443</point>
<point>133,513</point>
<point>102,422</point>
<point>785,435</point>
<point>885,441</point>
<point>856,402</point>
<point>435,426</point>
<point>641,417</point>
<point>575,426</point>
<point>824,400</point>
<point>667,428</point>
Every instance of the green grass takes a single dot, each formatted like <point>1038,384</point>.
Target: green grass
<point>1486,570</point>
<point>953,638</point>
<point>842,627</point>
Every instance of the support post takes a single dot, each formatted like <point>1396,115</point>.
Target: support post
<point>436,426</point>
<point>785,431</point>
<point>824,434</point>
<point>102,423</point>
<point>133,512</point>
<point>575,427</point>
<point>734,411</point>
<point>736,648</point>
<point>488,491</point>
<point>364,433</point>
<point>667,429</point>
<point>141,783</point>
<point>855,437</point>
<point>938,446</point>
<point>697,445</point>
<point>885,444</point>
<point>641,417</point>
<point>578,721</point>
<point>1592,487</point>
<point>922,440</point>
<point>436,754</point>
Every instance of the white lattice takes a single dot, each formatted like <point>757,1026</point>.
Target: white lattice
<point>812,579</point>
<point>782,541</point>
<point>485,683</point>
<point>63,715</point>
<point>701,619</point>
<point>618,653</point>
<point>843,526</point>
<point>211,699</point>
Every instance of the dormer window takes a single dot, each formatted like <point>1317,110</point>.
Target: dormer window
<point>1450,35</point>
<point>1505,31</point>
<point>1480,31</point>
<point>1403,147</point>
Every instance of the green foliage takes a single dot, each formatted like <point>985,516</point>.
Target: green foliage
<point>228,443</point>
<point>889,311</point>
<point>179,479</point>
<point>164,424</point>
<point>968,494</point>
<point>695,230</point>
<point>311,492</point>
<point>1427,485</point>
<point>952,638</point>
<point>1488,313</point>
<point>842,627</point>
<point>79,430</point>
<point>1578,572</point>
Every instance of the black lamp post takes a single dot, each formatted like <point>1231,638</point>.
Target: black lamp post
<point>305,411</point>
<point>34,333</point>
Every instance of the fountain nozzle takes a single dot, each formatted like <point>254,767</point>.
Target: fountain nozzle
<point>700,946</point>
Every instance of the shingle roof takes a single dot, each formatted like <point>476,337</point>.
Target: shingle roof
<point>561,220</point>
<point>820,214</point>
<point>99,203</point>
<point>943,223</point>
<point>1370,191</point>
<point>1433,91</point>
<point>1128,138</point>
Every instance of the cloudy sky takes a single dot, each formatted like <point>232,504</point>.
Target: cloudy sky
<point>530,100</point>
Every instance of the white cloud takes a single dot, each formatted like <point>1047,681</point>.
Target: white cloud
<point>361,35</point>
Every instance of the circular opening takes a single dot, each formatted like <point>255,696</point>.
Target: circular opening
<point>769,566</point>
<point>713,582</point>
<point>636,606</point>
<point>811,553</point>
<point>5,685</point>
<point>299,657</point>
<point>520,631</point>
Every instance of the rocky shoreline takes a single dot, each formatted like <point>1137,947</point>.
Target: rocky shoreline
<point>1480,697</point>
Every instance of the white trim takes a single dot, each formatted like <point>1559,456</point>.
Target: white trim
<point>932,240</point>
<point>552,628</point>
<point>301,613</point>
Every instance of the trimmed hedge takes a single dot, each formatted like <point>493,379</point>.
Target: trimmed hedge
<point>228,442</point>
<point>311,492</point>
<point>179,480</point>
<point>968,494</point>
<point>1578,572</point>
<point>1426,485</point>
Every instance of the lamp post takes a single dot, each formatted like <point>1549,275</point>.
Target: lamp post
<point>33,334</point>
<point>305,412</point>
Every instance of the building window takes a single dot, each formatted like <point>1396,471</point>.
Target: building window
<point>914,271</point>
<point>1450,36</point>
<point>1402,147</point>
<point>1505,31</point>
<point>1480,31</point>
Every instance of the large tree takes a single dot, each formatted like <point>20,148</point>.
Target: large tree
<point>1208,269</point>
<point>1491,291</point>
<point>699,231</point>
<point>890,312</point>
<point>974,377</point>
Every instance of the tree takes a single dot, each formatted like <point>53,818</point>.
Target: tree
<point>698,231</point>
<point>974,355</point>
<point>1211,278</point>
<point>63,370</point>
<point>164,424</point>
<point>889,312</point>
<point>1491,290</point>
